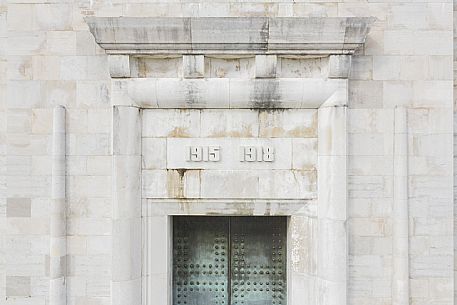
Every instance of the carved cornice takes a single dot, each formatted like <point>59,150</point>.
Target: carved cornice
<point>230,35</point>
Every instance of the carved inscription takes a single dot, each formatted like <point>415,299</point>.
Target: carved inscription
<point>213,154</point>
<point>257,154</point>
<point>203,153</point>
<point>228,153</point>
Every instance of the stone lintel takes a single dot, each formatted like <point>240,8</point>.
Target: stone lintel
<point>228,93</point>
<point>230,35</point>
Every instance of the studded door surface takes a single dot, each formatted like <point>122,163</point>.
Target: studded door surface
<point>258,264</point>
<point>229,260</point>
<point>200,260</point>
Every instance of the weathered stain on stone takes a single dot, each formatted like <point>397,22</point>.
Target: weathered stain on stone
<point>245,132</point>
<point>192,94</point>
<point>179,132</point>
<point>175,183</point>
<point>244,208</point>
<point>272,125</point>
<point>265,94</point>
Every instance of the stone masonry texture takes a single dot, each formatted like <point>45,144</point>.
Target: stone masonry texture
<point>48,58</point>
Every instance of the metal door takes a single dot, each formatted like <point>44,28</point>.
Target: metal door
<point>258,260</point>
<point>229,260</point>
<point>200,260</point>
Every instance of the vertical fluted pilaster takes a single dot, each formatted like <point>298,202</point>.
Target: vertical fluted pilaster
<point>58,223</point>
<point>332,205</point>
<point>126,263</point>
<point>400,214</point>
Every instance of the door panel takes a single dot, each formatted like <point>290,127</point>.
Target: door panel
<point>258,264</point>
<point>200,260</point>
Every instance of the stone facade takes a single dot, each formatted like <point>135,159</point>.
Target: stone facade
<point>399,212</point>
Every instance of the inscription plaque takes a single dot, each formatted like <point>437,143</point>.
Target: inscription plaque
<point>230,154</point>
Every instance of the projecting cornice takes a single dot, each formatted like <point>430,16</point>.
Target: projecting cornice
<point>230,35</point>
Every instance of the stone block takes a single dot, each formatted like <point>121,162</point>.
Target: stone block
<point>125,292</point>
<point>158,283</point>
<point>76,245</point>
<point>183,183</point>
<point>368,226</point>
<point>99,245</point>
<point>153,184</point>
<point>20,17</point>
<point>399,67</point>
<point>146,67</point>
<point>119,66</point>
<point>154,153</point>
<point>18,286</point>
<point>365,144</point>
<point>432,94</point>
<point>41,165</point>
<point>20,68</point>
<point>193,93</point>
<point>171,184</point>
<point>85,43</point>
<point>99,165</point>
<point>417,42</point>
<point>18,121</point>
<point>296,184</point>
<point>339,66</point>
<point>193,66</point>
<point>433,266</point>
<point>265,66</point>
<point>332,187</point>
<point>88,144</point>
<point>288,123</point>
<point>61,43</point>
<point>24,94</point>
<point>41,121</point>
<point>332,130</point>
<point>361,68</point>
<point>18,207</point>
<point>93,93</point>
<point>73,67</point>
<point>304,154</point>
<point>303,67</point>
<point>126,187</point>
<point>99,287</point>
<point>230,67</point>
<point>157,236</point>
<point>438,68</point>
<point>247,31</point>
<point>178,123</point>
<point>126,247</point>
<point>229,123</point>
<point>397,93</point>
<point>76,121</point>
<point>52,17</point>
<point>126,131</point>
<point>26,43</point>
<point>229,184</point>
<point>365,94</point>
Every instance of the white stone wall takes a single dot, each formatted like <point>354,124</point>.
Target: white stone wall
<point>48,58</point>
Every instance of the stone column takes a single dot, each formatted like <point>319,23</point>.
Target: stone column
<point>126,263</point>
<point>332,202</point>
<point>400,214</point>
<point>332,255</point>
<point>58,221</point>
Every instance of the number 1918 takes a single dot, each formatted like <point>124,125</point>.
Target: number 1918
<point>257,154</point>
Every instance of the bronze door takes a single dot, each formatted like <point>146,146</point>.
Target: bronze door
<point>229,260</point>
